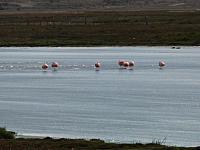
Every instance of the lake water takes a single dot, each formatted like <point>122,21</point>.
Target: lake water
<point>117,105</point>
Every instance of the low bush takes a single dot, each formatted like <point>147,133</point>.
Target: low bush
<point>4,134</point>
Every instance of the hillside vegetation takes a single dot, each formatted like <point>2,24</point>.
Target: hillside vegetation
<point>104,28</point>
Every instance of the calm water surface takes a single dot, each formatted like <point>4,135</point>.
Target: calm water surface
<point>113,104</point>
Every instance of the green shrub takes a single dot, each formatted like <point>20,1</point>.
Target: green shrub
<point>4,134</point>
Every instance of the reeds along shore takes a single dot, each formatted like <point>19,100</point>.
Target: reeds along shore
<point>104,28</point>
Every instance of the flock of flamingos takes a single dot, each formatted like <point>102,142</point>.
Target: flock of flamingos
<point>122,63</point>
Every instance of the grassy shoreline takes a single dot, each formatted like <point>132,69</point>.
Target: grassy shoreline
<point>104,28</point>
<point>8,141</point>
<point>80,144</point>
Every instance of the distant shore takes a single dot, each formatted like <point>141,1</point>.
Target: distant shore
<point>9,140</point>
<point>80,144</point>
<point>100,28</point>
<point>48,143</point>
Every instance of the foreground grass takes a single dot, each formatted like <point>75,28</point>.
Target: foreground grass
<point>78,144</point>
<point>100,28</point>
